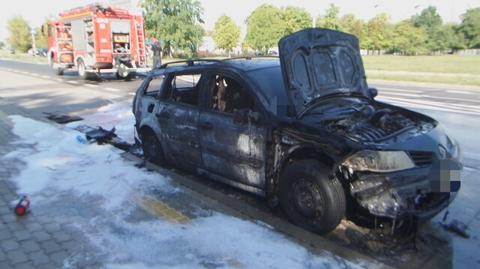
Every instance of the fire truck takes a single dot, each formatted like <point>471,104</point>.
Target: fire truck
<point>97,39</point>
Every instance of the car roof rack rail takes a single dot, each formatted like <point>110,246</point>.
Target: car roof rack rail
<point>248,57</point>
<point>190,62</point>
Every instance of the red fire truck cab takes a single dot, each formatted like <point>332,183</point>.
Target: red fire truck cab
<point>95,39</point>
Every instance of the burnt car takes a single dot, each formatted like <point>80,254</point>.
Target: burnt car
<point>304,131</point>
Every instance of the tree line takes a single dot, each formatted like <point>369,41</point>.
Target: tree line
<point>179,26</point>
<point>423,33</point>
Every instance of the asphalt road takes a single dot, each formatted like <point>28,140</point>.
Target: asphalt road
<point>457,109</point>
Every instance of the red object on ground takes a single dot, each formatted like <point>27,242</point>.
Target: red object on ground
<point>22,206</point>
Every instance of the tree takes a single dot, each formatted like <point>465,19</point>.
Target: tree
<point>428,18</point>
<point>470,27</point>
<point>408,39</point>
<point>296,19</point>
<point>330,20</point>
<point>264,28</point>
<point>41,35</point>
<point>19,37</point>
<point>226,33</point>
<point>431,22</point>
<point>453,37</point>
<point>177,23</point>
<point>350,24</point>
<point>377,33</point>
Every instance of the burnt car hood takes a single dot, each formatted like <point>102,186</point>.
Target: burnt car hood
<point>319,62</point>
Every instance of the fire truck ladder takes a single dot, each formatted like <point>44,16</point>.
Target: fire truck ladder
<point>141,45</point>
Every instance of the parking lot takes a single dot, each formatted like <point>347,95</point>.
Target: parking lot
<point>94,206</point>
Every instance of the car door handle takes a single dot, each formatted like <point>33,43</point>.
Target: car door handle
<point>163,115</point>
<point>206,125</point>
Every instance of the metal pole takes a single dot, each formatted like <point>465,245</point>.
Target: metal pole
<point>34,47</point>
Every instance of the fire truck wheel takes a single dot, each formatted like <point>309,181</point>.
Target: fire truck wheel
<point>57,70</point>
<point>82,70</point>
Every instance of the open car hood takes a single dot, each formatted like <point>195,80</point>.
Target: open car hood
<point>319,62</point>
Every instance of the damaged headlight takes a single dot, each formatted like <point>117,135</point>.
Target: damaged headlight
<point>379,161</point>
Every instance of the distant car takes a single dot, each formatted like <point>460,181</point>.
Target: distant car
<point>304,131</point>
<point>42,52</point>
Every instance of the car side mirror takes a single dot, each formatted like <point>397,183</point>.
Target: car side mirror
<point>373,92</point>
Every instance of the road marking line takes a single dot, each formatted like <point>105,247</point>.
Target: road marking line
<point>160,209</point>
<point>91,85</point>
<point>454,98</point>
<point>111,89</point>
<point>399,90</point>
<point>460,92</point>
<point>440,104</point>
<point>45,77</point>
<point>131,93</point>
<point>71,82</point>
<point>427,105</point>
<point>400,94</point>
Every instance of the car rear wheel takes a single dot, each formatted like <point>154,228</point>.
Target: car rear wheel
<point>152,149</point>
<point>310,198</point>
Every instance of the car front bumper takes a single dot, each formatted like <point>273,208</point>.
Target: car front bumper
<point>421,192</point>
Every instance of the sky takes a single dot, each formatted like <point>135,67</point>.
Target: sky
<point>35,11</point>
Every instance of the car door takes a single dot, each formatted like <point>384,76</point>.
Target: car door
<point>178,118</point>
<point>231,134</point>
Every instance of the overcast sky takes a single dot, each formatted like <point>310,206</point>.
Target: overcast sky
<point>35,11</point>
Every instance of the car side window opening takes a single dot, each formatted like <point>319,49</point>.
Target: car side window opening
<point>154,85</point>
<point>229,96</point>
<point>184,89</point>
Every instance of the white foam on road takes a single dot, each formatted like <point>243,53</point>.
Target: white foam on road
<point>117,115</point>
<point>55,163</point>
<point>111,89</point>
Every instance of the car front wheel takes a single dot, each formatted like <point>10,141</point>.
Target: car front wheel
<point>310,198</point>
<point>152,150</point>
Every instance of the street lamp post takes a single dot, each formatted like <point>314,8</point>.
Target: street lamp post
<point>34,47</point>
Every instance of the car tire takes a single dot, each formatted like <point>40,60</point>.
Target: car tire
<point>311,199</point>
<point>152,149</point>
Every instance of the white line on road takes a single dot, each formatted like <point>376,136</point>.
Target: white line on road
<point>45,77</point>
<point>401,94</point>
<point>460,92</point>
<point>429,105</point>
<point>91,85</point>
<point>439,104</point>
<point>71,82</point>
<point>398,90</point>
<point>131,93</point>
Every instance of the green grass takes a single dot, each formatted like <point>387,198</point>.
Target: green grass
<point>431,64</point>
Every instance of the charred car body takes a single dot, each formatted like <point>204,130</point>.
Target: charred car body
<point>304,131</point>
